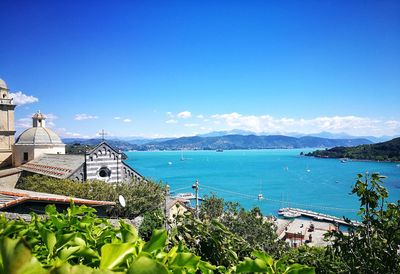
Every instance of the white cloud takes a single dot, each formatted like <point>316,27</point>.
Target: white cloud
<point>169,114</point>
<point>84,116</point>
<point>171,121</point>
<point>184,114</point>
<point>117,118</point>
<point>336,124</point>
<point>191,125</point>
<point>21,99</point>
<point>24,123</point>
<point>127,120</point>
<point>200,116</point>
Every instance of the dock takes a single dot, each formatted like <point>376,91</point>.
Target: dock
<point>318,216</point>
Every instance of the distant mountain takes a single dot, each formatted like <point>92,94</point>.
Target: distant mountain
<point>227,142</point>
<point>227,132</point>
<point>122,145</point>
<point>323,134</point>
<point>343,135</point>
<point>386,151</point>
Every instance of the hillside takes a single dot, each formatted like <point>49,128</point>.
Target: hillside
<point>386,151</point>
<point>249,142</point>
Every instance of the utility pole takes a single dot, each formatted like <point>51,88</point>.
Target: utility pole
<point>195,186</point>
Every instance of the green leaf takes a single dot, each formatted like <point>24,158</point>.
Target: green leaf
<point>157,240</point>
<point>299,269</point>
<point>145,265</point>
<point>128,232</point>
<point>264,257</point>
<point>68,252</point>
<point>112,255</point>
<point>249,265</point>
<point>17,258</point>
<point>78,269</point>
<point>185,259</point>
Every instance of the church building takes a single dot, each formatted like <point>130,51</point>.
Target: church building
<point>39,150</point>
<point>7,129</point>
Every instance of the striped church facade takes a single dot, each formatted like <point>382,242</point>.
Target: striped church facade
<point>105,163</point>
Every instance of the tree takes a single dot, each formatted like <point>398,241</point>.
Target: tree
<point>141,196</point>
<point>373,246</point>
<point>250,225</point>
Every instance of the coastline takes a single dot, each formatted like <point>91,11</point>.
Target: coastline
<point>354,160</point>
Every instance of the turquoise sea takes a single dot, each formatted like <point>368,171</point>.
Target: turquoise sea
<point>282,176</point>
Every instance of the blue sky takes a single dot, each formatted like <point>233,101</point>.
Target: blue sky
<point>173,68</point>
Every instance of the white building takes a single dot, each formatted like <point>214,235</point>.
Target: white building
<point>7,129</point>
<point>36,141</point>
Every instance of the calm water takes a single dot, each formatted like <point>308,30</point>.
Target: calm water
<point>282,176</point>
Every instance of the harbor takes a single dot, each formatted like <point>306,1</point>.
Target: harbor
<point>289,212</point>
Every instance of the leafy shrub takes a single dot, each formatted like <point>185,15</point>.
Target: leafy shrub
<point>76,241</point>
<point>141,196</point>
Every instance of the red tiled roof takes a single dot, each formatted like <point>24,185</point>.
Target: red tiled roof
<point>10,198</point>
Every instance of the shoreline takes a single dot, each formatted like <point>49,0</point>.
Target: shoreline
<point>354,160</point>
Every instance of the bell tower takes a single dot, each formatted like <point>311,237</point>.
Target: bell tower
<point>7,129</point>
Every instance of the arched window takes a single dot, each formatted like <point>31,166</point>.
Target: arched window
<point>104,172</point>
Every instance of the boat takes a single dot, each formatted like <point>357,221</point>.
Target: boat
<point>186,196</point>
<point>291,214</point>
<point>344,160</point>
<point>169,163</point>
<point>219,150</point>
<point>182,158</point>
<point>260,197</point>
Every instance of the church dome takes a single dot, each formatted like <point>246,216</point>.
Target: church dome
<point>3,84</point>
<point>38,136</point>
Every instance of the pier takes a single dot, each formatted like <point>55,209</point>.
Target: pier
<point>317,216</point>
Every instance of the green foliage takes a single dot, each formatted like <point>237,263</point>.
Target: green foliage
<point>386,151</point>
<point>251,225</point>
<point>151,220</point>
<point>317,257</point>
<point>211,207</point>
<point>254,228</point>
<point>211,240</point>
<point>373,246</point>
<point>76,241</point>
<point>264,263</point>
<point>141,196</point>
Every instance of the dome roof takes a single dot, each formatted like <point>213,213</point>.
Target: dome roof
<point>38,136</point>
<point>3,84</point>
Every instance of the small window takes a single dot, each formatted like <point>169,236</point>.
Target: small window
<point>104,172</point>
<point>25,156</point>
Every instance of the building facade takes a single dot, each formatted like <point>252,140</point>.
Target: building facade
<point>7,129</point>
<point>36,141</point>
<point>105,163</point>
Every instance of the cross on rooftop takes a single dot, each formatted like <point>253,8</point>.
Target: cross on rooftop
<point>102,134</point>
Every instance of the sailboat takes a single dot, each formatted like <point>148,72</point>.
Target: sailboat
<point>182,158</point>
<point>260,196</point>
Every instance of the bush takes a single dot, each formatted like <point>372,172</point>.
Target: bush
<point>76,241</point>
<point>141,196</point>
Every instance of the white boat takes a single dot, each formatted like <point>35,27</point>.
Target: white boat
<point>260,196</point>
<point>291,214</point>
<point>186,196</point>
